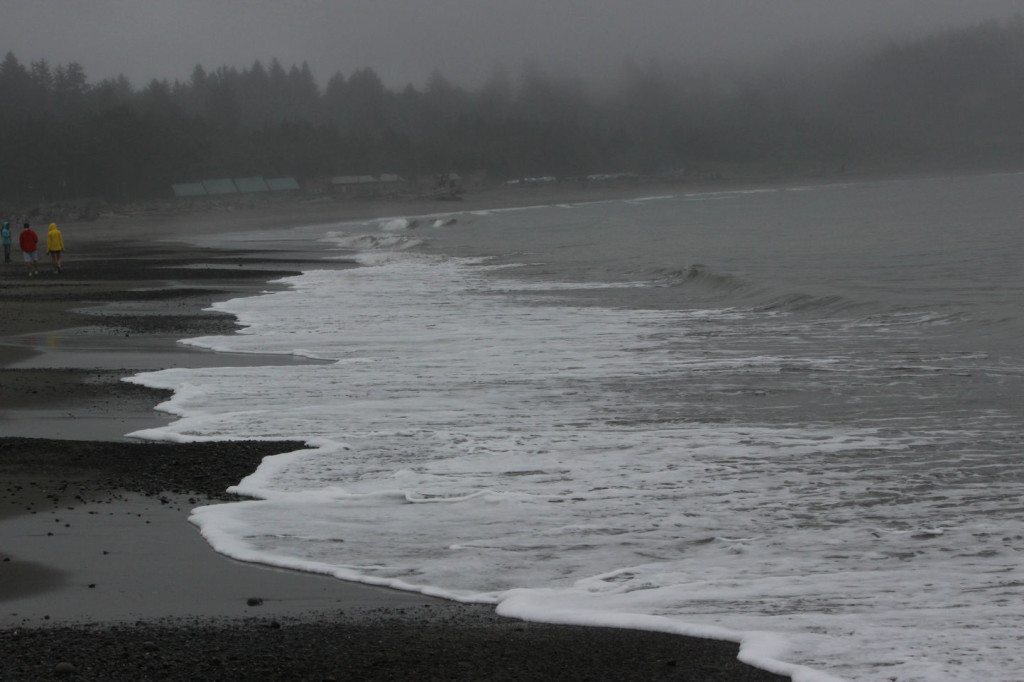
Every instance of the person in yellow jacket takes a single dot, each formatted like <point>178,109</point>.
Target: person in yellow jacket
<point>55,246</point>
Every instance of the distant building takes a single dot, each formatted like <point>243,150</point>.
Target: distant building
<point>366,185</point>
<point>353,184</point>
<point>228,186</point>
<point>251,185</point>
<point>220,186</point>
<point>188,190</point>
<point>348,185</point>
<point>283,184</point>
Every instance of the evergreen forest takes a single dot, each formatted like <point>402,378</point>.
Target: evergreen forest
<point>950,100</point>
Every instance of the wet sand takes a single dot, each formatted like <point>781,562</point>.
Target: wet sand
<point>101,575</point>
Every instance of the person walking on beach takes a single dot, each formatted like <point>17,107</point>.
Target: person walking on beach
<point>55,246</point>
<point>5,237</point>
<point>28,240</point>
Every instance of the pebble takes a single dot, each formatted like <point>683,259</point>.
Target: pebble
<point>65,668</point>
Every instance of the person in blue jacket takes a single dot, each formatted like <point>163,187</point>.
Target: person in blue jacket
<point>5,237</point>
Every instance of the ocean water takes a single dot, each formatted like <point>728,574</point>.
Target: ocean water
<point>791,418</point>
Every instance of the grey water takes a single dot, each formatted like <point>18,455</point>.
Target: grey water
<point>794,411</point>
<point>854,285</point>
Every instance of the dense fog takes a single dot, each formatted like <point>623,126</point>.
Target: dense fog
<point>952,99</point>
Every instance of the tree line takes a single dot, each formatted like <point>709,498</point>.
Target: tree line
<point>954,98</point>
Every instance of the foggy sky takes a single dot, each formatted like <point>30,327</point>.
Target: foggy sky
<point>405,40</point>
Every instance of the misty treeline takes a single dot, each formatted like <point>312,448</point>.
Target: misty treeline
<point>952,99</point>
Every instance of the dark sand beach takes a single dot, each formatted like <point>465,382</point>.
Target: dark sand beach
<point>101,575</point>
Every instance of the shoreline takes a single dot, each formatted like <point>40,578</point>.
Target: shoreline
<point>91,540</point>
